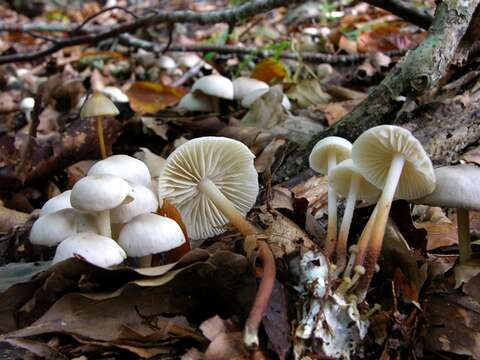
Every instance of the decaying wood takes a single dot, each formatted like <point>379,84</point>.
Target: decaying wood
<point>419,71</point>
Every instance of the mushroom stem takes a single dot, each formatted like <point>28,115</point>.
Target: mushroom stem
<point>381,218</point>
<point>103,223</point>
<point>351,261</point>
<point>332,209</point>
<point>463,229</point>
<point>346,222</point>
<point>207,187</point>
<point>364,238</point>
<point>101,139</point>
<point>250,334</point>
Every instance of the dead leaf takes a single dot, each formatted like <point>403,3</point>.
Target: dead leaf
<point>159,128</point>
<point>308,93</point>
<point>472,156</point>
<point>149,98</point>
<point>267,111</point>
<point>266,159</point>
<point>15,273</point>
<point>269,70</point>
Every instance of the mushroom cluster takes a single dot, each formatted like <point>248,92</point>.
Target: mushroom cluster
<point>114,202</point>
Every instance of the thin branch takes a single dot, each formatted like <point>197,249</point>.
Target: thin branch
<point>406,12</point>
<point>312,57</point>
<point>246,10</point>
<point>103,11</point>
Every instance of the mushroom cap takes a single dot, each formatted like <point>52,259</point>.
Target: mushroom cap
<point>98,104</point>
<point>340,178</point>
<point>457,187</point>
<point>189,60</point>
<point>148,234</point>
<point>195,102</point>
<point>100,193</point>
<point>56,203</point>
<point>125,167</point>
<point>115,94</point>
<point>243,86</point>
<point>373,151</point>
<point>166,62</point>
<point>227,163</point>
<point>51,229</point>
<point>214,85</point>
<point>250,98</point>
<point>27,104</point>
<point>96,249</point>
<point>145,201</point>
<point>319,156</point>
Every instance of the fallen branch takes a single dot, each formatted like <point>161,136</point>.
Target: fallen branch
<point>404,11</point>
<point>250,8</point>
<point>417,73</point>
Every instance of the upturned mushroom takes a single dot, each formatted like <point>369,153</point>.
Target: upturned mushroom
<point>392,159</point>
<point>457,187</point>
<point>95,249</point>
<point>216,86</point>
<point>324,157</point>
<point>347,180</point>
<point>56,203</point>
<point>99,194</point>
<point>97,106</point>
<point>150,234</point>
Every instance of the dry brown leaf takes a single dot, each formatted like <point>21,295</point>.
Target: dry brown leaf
<point>308,93</point>
<point>269,70</point>
<point>472,156</point>
<point>266,159</point>
<point>149,98</point>
<point>349,46</point>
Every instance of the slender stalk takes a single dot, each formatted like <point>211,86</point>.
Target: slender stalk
<point>346,222</point>
<point>380,222</point>
<point>250,334</point>
<point>101,139</point>
<point>364,238</point>
<point>463,229</point>
<point>332,209</point>
<point>103,223</point>
<point>207,187</point>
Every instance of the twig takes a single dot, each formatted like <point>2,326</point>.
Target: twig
<point>171,28</point>
<point>188,74</point>
<point>408,13</point>
<point>246,10</point>
<point>313,57</point>
<point>103,11</point>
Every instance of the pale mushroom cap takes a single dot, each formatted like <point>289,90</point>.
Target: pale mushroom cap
<point>96,249</point>
<point>243,86</point>
<point>150,234</point>
<point>189,60</point>
<point>115,94</point>
<point>227,163</point>
<point>319,156</point>
<point>53,228</point>
<point>166,62</point>
<point>125,167</point>
<point>457,187</point>
<point>195,102</point>
<point>340,178</point>
<point>214,85</point>
<point>98,104</point>
<point>27,104</point>
<point>250,98</point>
<point>99,193</point>
<point>373,151</point>
<point>56,203</point>
<point>145,201</point>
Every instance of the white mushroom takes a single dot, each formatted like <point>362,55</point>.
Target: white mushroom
<point>145,201</point>
<point>56,203</point>
<point>243,86</point>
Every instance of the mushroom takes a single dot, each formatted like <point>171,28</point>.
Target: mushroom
<point>145,201</point>
<point>52,228</point>
<point>115,94</point>
<point>347,180</point>
<point>26,105</point>
<point>392,159</point>
<point>324,157</point>
<point>211,181</point>
<point>125,167</point>
<point>243,86</point>
<point>457,187</point>
<point>56,203</point>
<point>216,86</point>
<point>195,102</point>
<point>95,249</point>
<point>149,234</point>
<point>98,105</point>
<point>249,99</point>
<point>99,194</point>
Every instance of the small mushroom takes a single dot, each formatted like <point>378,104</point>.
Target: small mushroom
<point>26,105</point>
<point>145,201</point>
<point>99,194</point>
<point>149,234</point>
<point>457,187</point>
<point>392,159</point>
<point>115,94</point>
<point>347,180</point>
<point>98,105</point>
<point>243,86</point>
<point>195,102</point>
<point>56,203</point>
<point>324,157</point>
<point>216,86</point>
<point>95,249</point>
<point>125,167</point>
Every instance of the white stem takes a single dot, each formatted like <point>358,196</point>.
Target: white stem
<point>207,187</point>
<point>103,223</point>
<point>332,208</point>
<point>346,222</point>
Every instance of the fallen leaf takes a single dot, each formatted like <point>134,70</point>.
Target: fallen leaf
<point>267,111</point>
<point>149,98</point>
<point>15,273</point>
<point>308,93</point>
<point>269,70</point>
<point>266,159</point>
